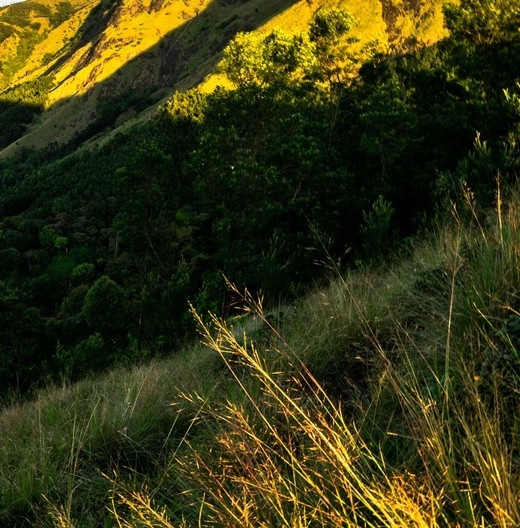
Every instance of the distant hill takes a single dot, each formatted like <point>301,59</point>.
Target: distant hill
<point>76,64</point>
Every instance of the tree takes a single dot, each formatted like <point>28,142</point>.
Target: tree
<point>24,343</point>
<point>483,21</point>
<point>326,31</point>
<point>276,59</point>
<point>328,26</point>
<point>104,308</point>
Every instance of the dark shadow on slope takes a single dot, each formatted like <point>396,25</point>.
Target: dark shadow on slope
<point>205,36</point>
<point>78,204</point>
<point>30,189</point>
<point>189,51</point>
<point>14,118</point>
<point>216,18</point>
<point>91,32</point>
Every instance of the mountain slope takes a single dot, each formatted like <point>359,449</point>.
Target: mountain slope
<point>96,52</point>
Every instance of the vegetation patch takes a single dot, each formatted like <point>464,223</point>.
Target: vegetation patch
<point>360,210</point>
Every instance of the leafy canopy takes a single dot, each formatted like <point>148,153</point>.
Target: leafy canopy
<point>279,59</point>
<point>253,60</point>
<point>484,21</point>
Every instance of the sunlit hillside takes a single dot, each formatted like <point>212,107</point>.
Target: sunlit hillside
<point>94,52</point>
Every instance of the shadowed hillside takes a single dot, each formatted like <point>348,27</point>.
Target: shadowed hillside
<point>300,164</point>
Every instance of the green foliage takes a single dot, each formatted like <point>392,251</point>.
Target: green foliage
<point>64,10</point>
<point>59,268</point>
<point>376,230</point>
<point>104,307</point>
<point>329,25</point>
<point>483,21</point>
<point>328,30</point>
<point>109,109</point>
<point>273,60</point>
<point>184,108</point>
<point>19,105</point>
<point>299,169</point>
<point>28,38</point>
<point>281,60</point>
<point>6,31</point>
<point>84,273</point>
<point>18,14</point>
<point>89,355</point>
<point>347,384</point>
<point>47,236</point>
<point>30,92</point>
<point>268,184</point>
<point>23,338</point>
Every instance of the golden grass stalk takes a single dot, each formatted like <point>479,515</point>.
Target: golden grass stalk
<point>289,456</point>
<point>430,443</point>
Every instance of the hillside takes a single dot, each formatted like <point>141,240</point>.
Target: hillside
<point>132,54</point>
<point>312,146</point>
<point>330,203</point>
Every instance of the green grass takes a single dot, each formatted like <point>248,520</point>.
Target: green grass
<point>55,449</point>
<point>389,398</point>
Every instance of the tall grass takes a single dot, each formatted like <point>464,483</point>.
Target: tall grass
<point>430,438</point>
<point>55,450</point>
<point>391,398</point>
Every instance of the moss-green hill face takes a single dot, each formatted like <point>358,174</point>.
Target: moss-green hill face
<point>96,52</point>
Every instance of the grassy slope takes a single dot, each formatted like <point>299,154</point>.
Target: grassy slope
<point>392,344</point>
<point>358,380</point>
